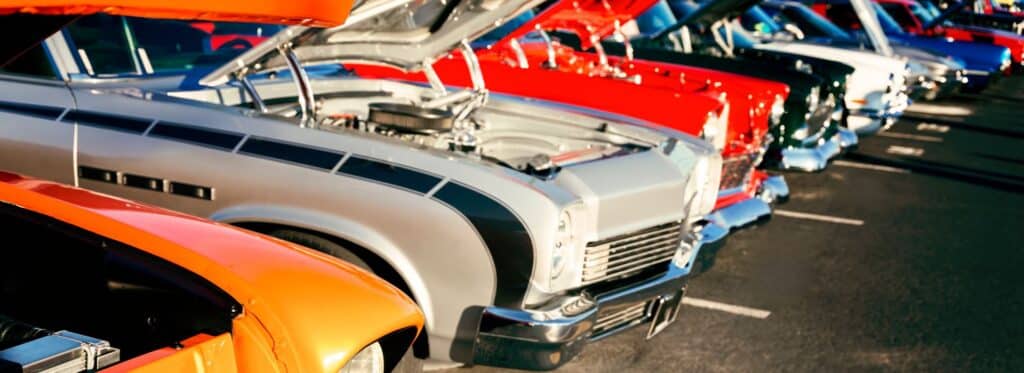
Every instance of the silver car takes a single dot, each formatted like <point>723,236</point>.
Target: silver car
<point>523,229</point>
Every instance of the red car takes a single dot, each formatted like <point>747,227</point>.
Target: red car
<point>923,18</point>
<point>684,98</point>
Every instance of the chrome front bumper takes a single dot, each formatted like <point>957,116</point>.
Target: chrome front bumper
<point>552,335</point>
<point>868,121</point>
<point>813,159</point>
<point>751,210</point>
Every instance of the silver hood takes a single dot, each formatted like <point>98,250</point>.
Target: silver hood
<point>399,33</point>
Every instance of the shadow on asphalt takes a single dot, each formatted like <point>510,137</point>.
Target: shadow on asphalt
<point>962,125</point>
<point>1004,182</point>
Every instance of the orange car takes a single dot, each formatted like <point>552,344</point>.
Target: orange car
<point>89,282</point>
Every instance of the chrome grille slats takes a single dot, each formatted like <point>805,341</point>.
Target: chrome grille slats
<point>629,253</point>
<point>736,170</point>
<point>629,315</point>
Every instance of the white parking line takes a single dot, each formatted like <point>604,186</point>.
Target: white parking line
<point>904,150</point>
<point>824,218</point>
<point>944,110</point>
<point>868,166</point>
<point>907,136</point>
<point>717,306</point>
<point>923,126</point>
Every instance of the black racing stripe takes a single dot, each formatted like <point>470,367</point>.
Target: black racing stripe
<point>45,112</point>
<point>389,174</point>
<point>98,174</point>
<point>505,236</point>
<point>202,136</point>
<point>317,158</point>
<point>107,121</point>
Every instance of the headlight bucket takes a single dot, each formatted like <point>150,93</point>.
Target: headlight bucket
<point>777,110</point>
<point>369,360</point>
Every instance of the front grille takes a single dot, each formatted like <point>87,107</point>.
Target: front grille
<point>620,317</point>
<point>821,117</point>
<point>631,253</point>
<point>736,170</point>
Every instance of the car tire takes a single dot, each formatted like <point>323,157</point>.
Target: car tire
<point>323,245</point>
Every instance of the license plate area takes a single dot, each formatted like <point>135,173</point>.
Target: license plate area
<point>665,310</point>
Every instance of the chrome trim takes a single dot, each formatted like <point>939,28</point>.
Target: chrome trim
<point>546,338</point>
<point>307,102</point>
<point>741,214</point>
<point>811,159</point>
<point>774,189</point>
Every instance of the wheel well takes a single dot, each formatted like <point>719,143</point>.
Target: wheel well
<point>378,265</point>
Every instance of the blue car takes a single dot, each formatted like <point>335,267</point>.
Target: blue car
<point>984,62</point>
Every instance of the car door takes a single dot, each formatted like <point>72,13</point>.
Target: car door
<point>33,139</point>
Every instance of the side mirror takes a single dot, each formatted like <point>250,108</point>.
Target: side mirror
<point>793,29</point>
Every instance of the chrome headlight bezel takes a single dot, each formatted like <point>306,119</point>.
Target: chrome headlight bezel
<point>778,109</point>
<point>813,99</point>
<point>563,245</point>
<point>369,359</point>
<point>715,127</point>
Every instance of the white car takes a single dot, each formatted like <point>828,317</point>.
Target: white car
<point>875,94</point>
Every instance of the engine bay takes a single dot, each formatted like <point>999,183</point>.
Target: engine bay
<point>511,132</point>
<point>111,300</point>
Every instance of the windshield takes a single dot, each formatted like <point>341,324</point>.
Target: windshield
<point>107,45</point>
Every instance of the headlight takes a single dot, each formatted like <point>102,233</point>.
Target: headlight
<point>812,100</point>
<point>369,360</point>
<point>714,129</point>
<point>563,244</point>
<point>778,109</point>
<point>706,179</point>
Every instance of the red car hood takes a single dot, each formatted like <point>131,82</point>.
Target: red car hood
<point>590,19</point>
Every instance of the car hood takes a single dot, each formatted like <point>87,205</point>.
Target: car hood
<point>977,56</point>
<point>404,34</point>
<point>857,59</point>
<point>36,20</point>
<point>589,19</point>
<point>341,308</point>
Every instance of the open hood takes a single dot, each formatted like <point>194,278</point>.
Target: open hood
<point>714,10</point>
<point>953,9</point>
<point>26,23</point>
<point>322,13</point>
<point>400,33</point>
<point>589,19</point>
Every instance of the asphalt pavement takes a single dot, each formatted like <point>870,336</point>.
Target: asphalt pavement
<point>905,255</point>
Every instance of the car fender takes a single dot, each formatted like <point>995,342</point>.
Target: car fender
<point>339,227</point>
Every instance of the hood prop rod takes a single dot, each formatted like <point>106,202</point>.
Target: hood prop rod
<point>307,102</point>
<point>625,40</point>
<point>257,101</point>
<point>552,61</point>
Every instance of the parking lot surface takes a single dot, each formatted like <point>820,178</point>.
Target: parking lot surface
<point>906,254</point>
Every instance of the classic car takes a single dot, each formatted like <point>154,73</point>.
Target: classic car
<point>985,13</point>
<point>984,63</point>
<point>809,133</point>
<point>932,74</point>
<point>680,97</point>
<point>874,96</point>
<point>523,229</point>
<point>923,18</point>
<point>116,285</point>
